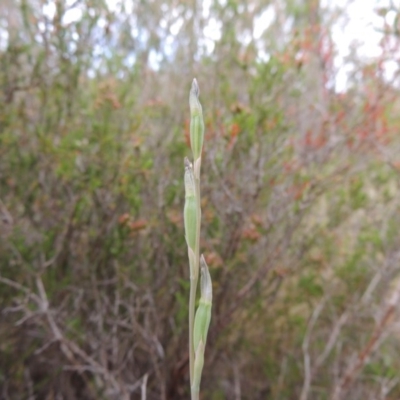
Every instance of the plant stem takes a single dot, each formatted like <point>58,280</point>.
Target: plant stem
<point>192,305</point>
<point>195,394</point>
<point>193,283</point>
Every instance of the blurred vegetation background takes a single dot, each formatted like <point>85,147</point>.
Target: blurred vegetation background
<point>300,201</point>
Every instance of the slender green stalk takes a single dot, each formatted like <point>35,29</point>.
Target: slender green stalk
<point>191,228</point>
<point>201,325</point>
<point>193,286</point>
<point>199,321</point>
<point>192,305</point>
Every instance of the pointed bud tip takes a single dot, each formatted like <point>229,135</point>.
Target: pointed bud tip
<point>195,87</point>
<point>205,281</point>
<point>188,164</point>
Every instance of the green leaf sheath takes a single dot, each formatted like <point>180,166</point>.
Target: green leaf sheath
<point>203,313</point>
<point>190,209</point>
<point>198,369</point>
<point>190,216</point>
<point>201,323</point>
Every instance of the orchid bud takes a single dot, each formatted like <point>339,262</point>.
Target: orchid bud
<point>196,121</point>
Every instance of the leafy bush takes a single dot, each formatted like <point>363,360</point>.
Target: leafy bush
<point>299,199</point>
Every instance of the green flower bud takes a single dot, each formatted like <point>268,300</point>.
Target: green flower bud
<point>196,121</point>
<point>205,282</point>
<point>190,211</point>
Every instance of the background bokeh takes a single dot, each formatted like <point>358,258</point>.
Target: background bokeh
<point>300,199</point>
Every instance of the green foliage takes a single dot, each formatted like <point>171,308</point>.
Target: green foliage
<point>310,286</point>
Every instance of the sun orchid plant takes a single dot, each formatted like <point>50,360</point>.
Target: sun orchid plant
<point>199,322</point>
